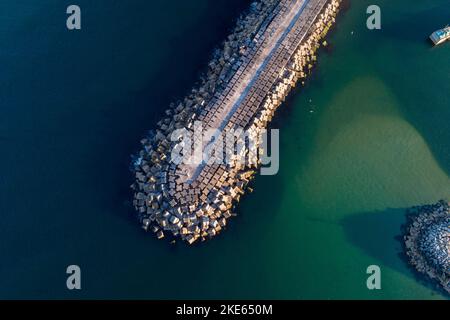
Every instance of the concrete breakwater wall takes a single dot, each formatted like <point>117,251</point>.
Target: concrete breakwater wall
<point>427,242</point>
<point>270,50</point>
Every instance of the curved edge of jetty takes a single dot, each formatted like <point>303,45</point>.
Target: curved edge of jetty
<point>426,243</point>
<point>167,204</point>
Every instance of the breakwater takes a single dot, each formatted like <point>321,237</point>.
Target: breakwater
<point>427,242</point>
<point>271,49</point>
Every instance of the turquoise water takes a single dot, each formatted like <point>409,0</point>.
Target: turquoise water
<point>366,138</point>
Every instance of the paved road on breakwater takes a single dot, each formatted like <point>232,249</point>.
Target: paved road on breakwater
<point>272,47</point>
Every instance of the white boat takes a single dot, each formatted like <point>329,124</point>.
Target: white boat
<point>440,36</point>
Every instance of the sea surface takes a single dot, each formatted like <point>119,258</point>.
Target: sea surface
<point>367,137</point>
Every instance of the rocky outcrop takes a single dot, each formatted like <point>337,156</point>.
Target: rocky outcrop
<point>427,242</point>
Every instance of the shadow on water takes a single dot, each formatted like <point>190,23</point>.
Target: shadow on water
<point>427,21</point>
<point>379,234</point>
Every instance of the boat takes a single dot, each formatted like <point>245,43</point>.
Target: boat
<point>440,36</point>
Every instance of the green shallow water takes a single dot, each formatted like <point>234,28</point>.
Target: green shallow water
<point>366,138</point>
